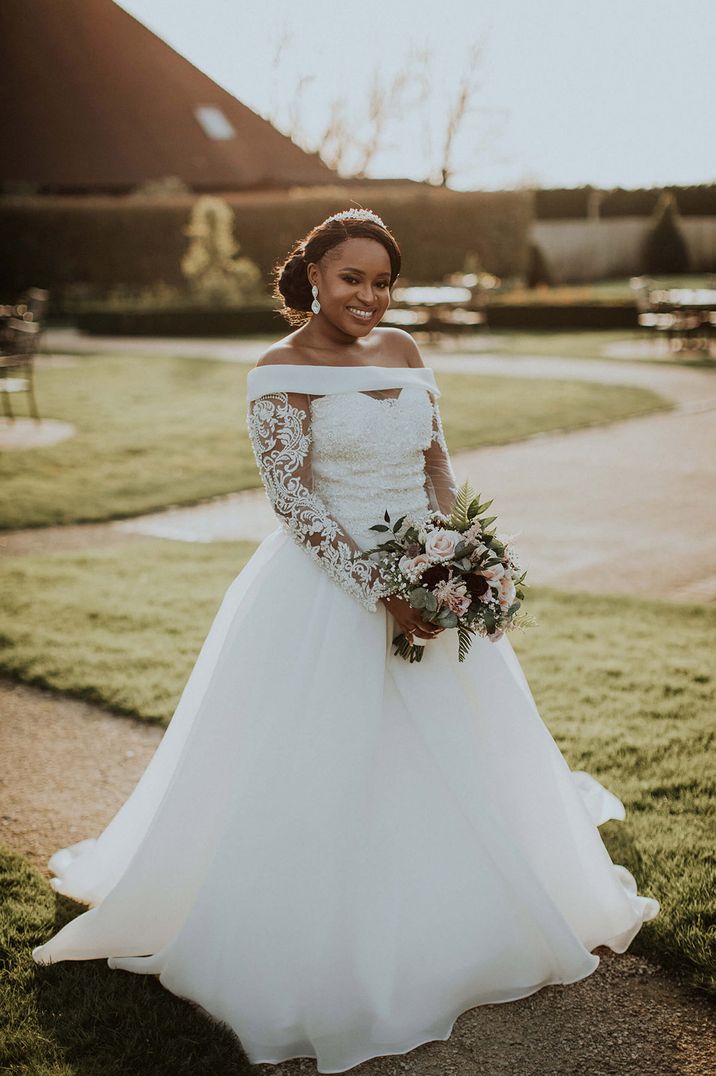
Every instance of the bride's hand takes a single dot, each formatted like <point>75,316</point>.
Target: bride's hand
<point>409,620</point>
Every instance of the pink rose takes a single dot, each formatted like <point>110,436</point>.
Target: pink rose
<point>441,545</point>
<point>506,592</point>
<point>494,573</point>
<point>412,567</point>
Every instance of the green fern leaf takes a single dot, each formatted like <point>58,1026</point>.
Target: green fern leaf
<point>460,520</point>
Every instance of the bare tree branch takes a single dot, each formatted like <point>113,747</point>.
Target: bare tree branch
<point>349,143</point>
<point>466,94</point>
<point>337,139</point>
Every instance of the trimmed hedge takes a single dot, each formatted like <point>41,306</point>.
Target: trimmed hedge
<point>247,321</point>
<point>573,203</point>
<point>251,321</point>
<point>104,242</point>
<point>556,316</point>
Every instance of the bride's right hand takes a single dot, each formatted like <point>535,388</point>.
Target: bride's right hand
<point>409,620</point>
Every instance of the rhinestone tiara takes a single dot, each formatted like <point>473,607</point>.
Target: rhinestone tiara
<point>356,214</point>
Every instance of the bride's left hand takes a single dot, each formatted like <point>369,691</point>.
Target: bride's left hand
<point>409,620</point>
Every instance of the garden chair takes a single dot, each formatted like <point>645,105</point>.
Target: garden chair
<point>18,344</point>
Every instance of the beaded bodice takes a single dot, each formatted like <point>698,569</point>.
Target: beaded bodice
<point>368,457</point>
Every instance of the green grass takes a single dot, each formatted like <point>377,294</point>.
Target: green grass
<point>568,343</point>
<point>119,625</point>
<point>81,1017</point>
<point>159,431</point>
<point>625,686</point>
<point>563,344</point>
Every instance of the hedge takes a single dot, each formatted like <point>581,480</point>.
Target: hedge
<point>256,321</point>
<point>103,242</point>
<point>573,202</point>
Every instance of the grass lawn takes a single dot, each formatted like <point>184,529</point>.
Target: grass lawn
<point>83,1017</point>
<point>562,344</point>
<point>160,431</point>
<point>626,688</point>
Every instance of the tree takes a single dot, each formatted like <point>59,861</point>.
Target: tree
<point>665,249</point>
<point>460,108</point>
<point>349,143</point>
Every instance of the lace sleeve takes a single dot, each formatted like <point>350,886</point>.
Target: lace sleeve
<point>280,434</point>
<point>440,481</point>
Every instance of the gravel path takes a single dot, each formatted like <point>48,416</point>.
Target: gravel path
<point>629,1016</point>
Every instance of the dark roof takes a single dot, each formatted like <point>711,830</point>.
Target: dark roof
<point>94,101</point>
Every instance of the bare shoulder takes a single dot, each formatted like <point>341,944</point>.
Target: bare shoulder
<point>279,354</point>
<point>402,345</point>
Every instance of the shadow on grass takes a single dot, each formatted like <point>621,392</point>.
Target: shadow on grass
<point>84,1017</point>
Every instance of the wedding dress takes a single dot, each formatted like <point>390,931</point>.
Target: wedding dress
<point>332,850</point>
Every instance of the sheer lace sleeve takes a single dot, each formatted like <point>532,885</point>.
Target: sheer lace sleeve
<point>440,481</point>
<point>280,432</point>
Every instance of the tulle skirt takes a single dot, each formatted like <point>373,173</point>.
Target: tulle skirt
<point>336,852</point>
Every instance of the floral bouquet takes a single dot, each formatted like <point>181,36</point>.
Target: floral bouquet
<point>455,570</point>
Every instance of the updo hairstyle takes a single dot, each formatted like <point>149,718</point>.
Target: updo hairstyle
<point>290,277</point>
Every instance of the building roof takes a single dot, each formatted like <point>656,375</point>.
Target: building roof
<point>94,101</point>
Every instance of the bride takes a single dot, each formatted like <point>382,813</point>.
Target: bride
<point>333,851</point>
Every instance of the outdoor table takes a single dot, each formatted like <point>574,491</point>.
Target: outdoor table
<point>433,306</point>
<point>685,298</point>
<point>437,295</point>
<point>688,315</point>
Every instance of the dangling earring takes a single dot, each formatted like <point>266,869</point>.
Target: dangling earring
<point>315,305</point>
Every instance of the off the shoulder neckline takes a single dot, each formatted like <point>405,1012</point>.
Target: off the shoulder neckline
<point>319,380</point>
<point>322,366</point>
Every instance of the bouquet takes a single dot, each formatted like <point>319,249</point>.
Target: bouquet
<point>455,570</point>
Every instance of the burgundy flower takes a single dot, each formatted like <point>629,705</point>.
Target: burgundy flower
<point>476,585</point>
<point>439,573</point>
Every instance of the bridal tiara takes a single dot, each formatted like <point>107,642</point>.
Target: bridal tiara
<point>357,214</point>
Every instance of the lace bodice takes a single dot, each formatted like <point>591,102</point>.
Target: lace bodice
<point>333,458</point>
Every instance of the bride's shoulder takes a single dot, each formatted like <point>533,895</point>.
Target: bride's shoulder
<point>402,345</point>
<point>280,354</point>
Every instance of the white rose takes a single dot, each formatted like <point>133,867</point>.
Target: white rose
<point>440,545</point>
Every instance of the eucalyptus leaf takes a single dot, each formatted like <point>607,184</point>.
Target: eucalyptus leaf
<point>418,598</point>
<point>447,618</point>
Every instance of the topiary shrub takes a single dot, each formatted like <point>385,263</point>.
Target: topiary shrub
<point>665,249</point>
<point>537,270</point>
<point>214,274</point>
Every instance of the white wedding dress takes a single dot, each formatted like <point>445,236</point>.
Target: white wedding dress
<point>332,850</point>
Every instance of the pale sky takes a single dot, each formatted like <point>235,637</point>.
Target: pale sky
<point>612,92</point>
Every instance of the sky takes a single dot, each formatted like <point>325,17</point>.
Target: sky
<point>608,93</point>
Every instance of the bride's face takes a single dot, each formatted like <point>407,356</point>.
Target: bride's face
<point>354,276</point>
